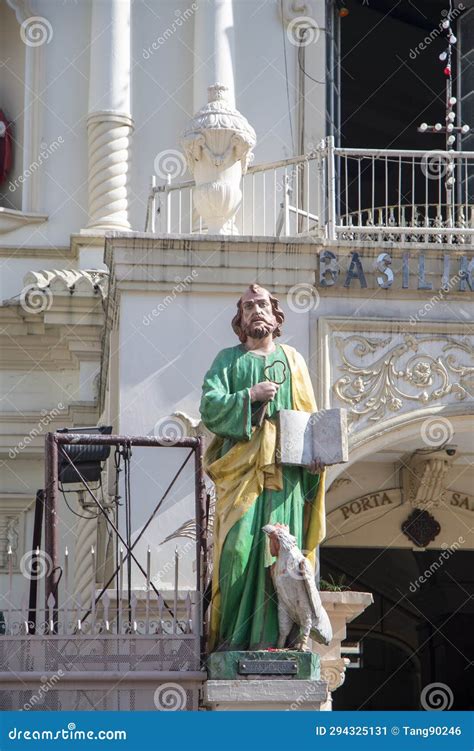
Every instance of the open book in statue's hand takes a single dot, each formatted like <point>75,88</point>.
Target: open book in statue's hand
<point>304,437</point>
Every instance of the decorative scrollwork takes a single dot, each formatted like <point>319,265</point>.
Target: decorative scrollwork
<point>334,672</point>
<point>372,389</point>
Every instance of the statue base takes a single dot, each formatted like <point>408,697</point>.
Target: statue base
<point>262,695</point>
<point>264,680</point>
<point>262,663</point>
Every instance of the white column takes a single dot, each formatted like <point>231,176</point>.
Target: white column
<point>214,49</point>
<point>109,122</point>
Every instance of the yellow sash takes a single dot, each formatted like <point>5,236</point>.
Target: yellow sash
<point>247,468</point>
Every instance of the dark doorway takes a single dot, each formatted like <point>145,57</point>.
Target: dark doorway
<point>392,81</point>
<point>417,632</point>
<point>391,77</point>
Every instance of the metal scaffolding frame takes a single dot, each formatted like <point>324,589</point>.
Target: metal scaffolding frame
<point>54,443</point>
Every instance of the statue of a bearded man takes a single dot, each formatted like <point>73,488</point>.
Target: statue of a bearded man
<point>243,391</point>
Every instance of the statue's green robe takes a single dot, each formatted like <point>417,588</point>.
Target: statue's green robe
<point>252,490</point>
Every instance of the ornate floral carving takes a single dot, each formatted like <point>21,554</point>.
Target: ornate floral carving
<point>373,388</point>
<point>421,527</point>
<point>219,130</point>
<point>218,147</point>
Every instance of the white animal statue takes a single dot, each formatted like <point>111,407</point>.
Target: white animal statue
<point>298,597</point>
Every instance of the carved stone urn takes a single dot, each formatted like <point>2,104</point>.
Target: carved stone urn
<point>218,146</point>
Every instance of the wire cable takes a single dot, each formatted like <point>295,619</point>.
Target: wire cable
<point>322,83</point>
<point>286,77</point>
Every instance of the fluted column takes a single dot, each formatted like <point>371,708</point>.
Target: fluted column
<point>109,122</point>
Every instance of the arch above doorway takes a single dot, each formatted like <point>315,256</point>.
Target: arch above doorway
<point>391,473</point>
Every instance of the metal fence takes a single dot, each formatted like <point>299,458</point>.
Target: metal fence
<point>403,196</point>
<point>346,194</point>
<point>101,656</point>
<point>118,648</point>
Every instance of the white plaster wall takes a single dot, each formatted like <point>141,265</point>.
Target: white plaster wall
<point>66,80</point>
<point>163,362</point>
<point>40,389</point>
<point>162,366</point>
<point>161,92</point>
<point>63,94</point>
<point>162,100</point>
<point>383,304</point>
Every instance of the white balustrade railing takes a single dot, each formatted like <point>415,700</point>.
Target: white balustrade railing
<point>340,194</point>
<point>278,198</point>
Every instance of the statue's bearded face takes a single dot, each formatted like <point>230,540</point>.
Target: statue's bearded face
<point>258,319</point>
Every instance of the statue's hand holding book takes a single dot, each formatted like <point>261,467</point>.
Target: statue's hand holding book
<point>308,439</point>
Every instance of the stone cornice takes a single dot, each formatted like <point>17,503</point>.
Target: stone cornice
<point>256,242</point>
<point>18,253</point>
<point>11,219</point>
<point>87,239</point>
<point>55,339</point>
<point>141,261</point>
<point>61,253</point>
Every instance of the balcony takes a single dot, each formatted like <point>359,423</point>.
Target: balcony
<point>336,194</point>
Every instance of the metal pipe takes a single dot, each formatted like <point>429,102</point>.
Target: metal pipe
<point>201,543</point>
<point>31,680</point>
<point>37,527</point>
<point>398,152</point>
<point>111,440</point>
<point>331,190</point>
<point>51,517</point>
<point>153,205</point>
